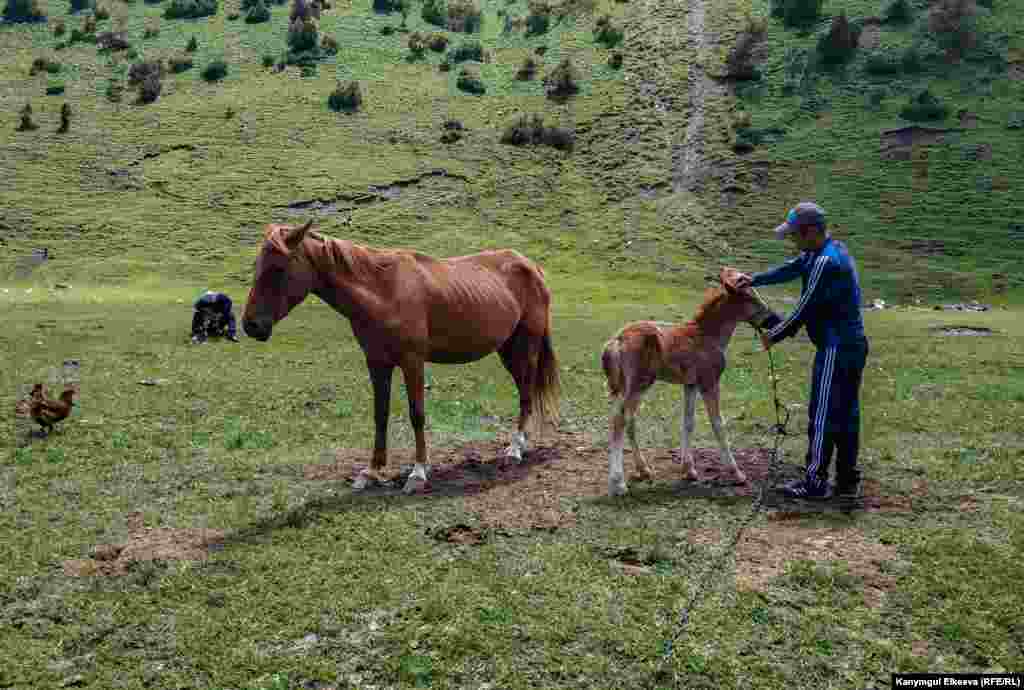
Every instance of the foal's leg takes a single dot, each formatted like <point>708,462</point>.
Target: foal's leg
<point>380,375</point>
<point>687,424</point>
<point>413,372</point>
<point>521,354</point>
<point>711,403</point>
<point>643,470</point>
<point>622,415</point>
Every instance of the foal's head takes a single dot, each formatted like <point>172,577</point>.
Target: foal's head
<point>284,276</point>
<point>731,304</point>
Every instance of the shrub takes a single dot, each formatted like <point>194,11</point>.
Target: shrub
<point>434,12</point>
<point>954,25</point>
<point>65,119</point>
<point>180,63</point>
<point>882,63</point>
<point>150,88</point>
<point>561,82</point>
<point>463,15</point>
<point>300,10</point>
<point>115,90</point>
<point>898,12</point>
<point>469,80</point>
<point>741,63</point>
<point>438,42</point>
<point>23,11</point>
<point>102,13</point>
<point>1015,121</point>
<point>139,71</point>
<point>839,43</point>
<point>54,88</point>
<point>417,43</point>
<point>302,36</point>
<point>112,41</point>
<point>42,64</point>
<point>26,124</point>
<point>59,28</point>
<point>190,9</point>
<point>615,60</point>
<point>79,5</point>
<point>469,51</point>
<point>797,13</point>
<point>527,70</point>
<point>215,71</point>
<point>347,96</point>
<point>257,13</point>
<point>924,106</point>
<point>192,46</point>
<point>539,17</point>
<point>530,131</point>
<point>329,45</point>
<point>606,33</point>
<point>387,6</point>
<point>268,61</point>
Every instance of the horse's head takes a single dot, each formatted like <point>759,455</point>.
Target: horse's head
<point>284,276</point>
<point>744,302</point>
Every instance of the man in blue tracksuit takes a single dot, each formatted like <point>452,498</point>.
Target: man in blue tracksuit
<point>830,308</point>
<point>212,316</point>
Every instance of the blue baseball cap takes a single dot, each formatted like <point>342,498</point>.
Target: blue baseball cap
<point>804,213</point>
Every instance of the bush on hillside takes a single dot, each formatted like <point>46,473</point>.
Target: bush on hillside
<point>470,51</point>
<point>139,71</point>
<point>839,43</point>
<point>329,45</point>
<point>347,96</point>
<point>528,70</point>
<point>434,12</point>
<point>26,123</point>
<point>796,13</point>
<point>180,63</point>
<point>302,36</point>
<point>539,17</point>
<point>924,106</point>
<point>192,45</point>
<point>794,69</point>
<point>881,63</point>
<point>438,42</point>
<point>606,33</point>
<point>388,6</point>
<point>112,41</point>
<point>42,64</point>
<point>741,63</point>
<point>615,60</point>
<point>954,25</point>
<point>79,5</point>
<point>215,71</point>
<point>898,12</point>
<point>150,88</point>
<point>59,27</point>
<point>464,16</point>
<point>54,87</point>
<point>23,11</point>
<point>529,130</point>
<point>102,13</point>
<point>469,80</point>
<point>257,13</point>
<point>561,82</point>
<point>190,9</point>
<point>417,43</point>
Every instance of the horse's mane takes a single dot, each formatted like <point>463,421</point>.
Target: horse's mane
<point>332,254</point>
<point>713,297</point>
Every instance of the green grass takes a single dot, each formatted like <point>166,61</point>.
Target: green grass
<point>142,207</point>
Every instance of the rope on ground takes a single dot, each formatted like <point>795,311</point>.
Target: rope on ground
<point>779,430</point>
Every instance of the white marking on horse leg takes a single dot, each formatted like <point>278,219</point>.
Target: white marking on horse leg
<point>517,447</point>
<point>711,403</point>
<point>364,479</point>
<point>643,470</point>
<point>417,478</point>
<point>616,473</point>
<point>687,424</point>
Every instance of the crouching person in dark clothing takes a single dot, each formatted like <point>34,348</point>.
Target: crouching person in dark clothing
<point>213,317</point>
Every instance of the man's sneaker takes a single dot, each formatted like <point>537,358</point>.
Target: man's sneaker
<point>807,490</point>
<point>851,490</point>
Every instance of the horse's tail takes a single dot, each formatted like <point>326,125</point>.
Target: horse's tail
<point>547,384</point>
<point>611,362</point>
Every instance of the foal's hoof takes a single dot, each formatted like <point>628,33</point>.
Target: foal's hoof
<point>515,453</point>
<point>617,489</point>
<point>414,485</point>
<point>739,478</point>
<point>361,481</point>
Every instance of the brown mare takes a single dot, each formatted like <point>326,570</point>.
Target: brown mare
<point>406,309</point>
<point>692,354</point>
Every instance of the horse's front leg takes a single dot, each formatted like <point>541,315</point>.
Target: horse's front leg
<point>381,376</point>
<point>714,414</point>
<point>413,372</point>
<point>687,425</point>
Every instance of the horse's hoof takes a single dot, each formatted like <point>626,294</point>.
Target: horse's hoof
<point>644,476</point>
<point>360,482</point>
<point>617,489</point>
<point>691,476</point>
<point>414,485</point>
<point>514,453</point>
<point>739,478</point>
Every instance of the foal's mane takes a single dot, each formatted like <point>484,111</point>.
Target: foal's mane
<point>713,299</point>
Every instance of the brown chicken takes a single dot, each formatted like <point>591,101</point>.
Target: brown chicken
<point>47,412</point>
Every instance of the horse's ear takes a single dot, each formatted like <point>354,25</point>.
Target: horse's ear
<point>296,235</point>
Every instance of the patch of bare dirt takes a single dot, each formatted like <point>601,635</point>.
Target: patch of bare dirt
<point>542,492</point>
<point>763,553</point>
<point>145,544</point>
<point>899,144</point>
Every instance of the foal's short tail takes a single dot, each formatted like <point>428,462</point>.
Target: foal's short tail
<point>611,362</point>
<point>547,385</point>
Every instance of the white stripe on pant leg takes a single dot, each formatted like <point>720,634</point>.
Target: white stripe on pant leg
<point>821,414</point>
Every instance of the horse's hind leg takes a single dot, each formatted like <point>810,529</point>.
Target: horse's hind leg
<point>643,470</point>
<point>520,354</point>
<point>687,424</point>
<point>414,380</point>
<point>623,416</point>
